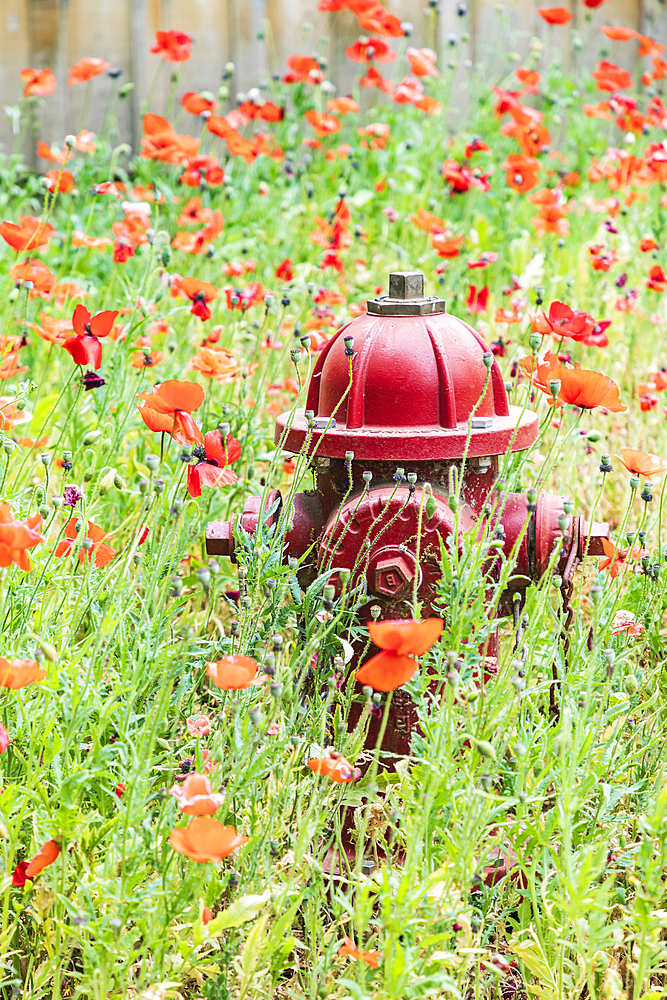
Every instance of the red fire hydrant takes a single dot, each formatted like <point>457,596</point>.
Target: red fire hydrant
<point>397,400</point>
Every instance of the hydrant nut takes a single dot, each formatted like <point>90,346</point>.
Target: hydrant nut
<point>219,538</point>
<point>392,575</point>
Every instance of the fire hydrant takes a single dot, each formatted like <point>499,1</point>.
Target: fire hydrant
<point>397,400</point>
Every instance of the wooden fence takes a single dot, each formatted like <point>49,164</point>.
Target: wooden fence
<point>258,36</point>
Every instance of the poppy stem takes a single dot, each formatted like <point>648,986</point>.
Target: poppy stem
<point>86,104</point>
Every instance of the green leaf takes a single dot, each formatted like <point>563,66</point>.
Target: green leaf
<point>242,909</point>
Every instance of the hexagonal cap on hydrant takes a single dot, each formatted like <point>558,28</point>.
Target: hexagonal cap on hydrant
<point>401,382</point>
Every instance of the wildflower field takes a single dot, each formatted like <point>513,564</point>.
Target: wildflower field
<point>197,795</point>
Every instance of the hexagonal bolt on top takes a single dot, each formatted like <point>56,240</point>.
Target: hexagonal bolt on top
<point>406,285</point>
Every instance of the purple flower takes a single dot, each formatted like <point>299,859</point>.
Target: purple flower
<point>91,380</point>
<point>621,280</point>
<point>71,495</point>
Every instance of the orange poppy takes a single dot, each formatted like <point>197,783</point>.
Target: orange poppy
<point>16,674</point>
<point>348,949</point>
<point>215,457</point>
<point>30,234</point>
<point>196,797</point>
<point>35,271</point>
<point>447,247</point>
<point>430,223</point>
<point>235,673</point>
<point>56,331</point>
<point>196,103</point>
<point>10,367</point>
<point>46,857</point>
<point>342,106</point>
<point>324,125</point>
<point>103,553</point>
<point>334,766</point>
<point>38,82</point>
<point>374,78</point>
<point>578,387</point>
<point>641,463</point>
<point>303,69</point>
<point>549,219</point>
<point>521,172</point>
<point>172,46</point>
<point>61,181</point>
<point>87,69</point>
<point>48,153</point>
<point>422,62</point>
<point>146,359</point>
<point>617,33</point>
<point>647,244</point>
<point>285,270</point>
<point>161,142</point>
<point>554,15</point>
<point>373,17</point>
<point>529,78</point>
<point>648,46</point>
<point>10,416</point>
<point>16,537</point>
<point>168,408</point>
<point>616,558</point>
<point>611,77</point>
<point>399,641</point>
<point>193,214</point>
<point>80,239</point>
<point>205,839</point>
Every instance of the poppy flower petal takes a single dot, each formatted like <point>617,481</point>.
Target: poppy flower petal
<point>101,324</point>
<point>79,319</point>
<point>387,671</point>
<point>406,635</point>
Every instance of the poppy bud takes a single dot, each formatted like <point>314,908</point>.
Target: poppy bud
<point>485,748</point>
<point>563,522</point>
<point>605,463</point>
<point>87,543</point>
<point>143,485</point>
<point>568,506</point>
<point>554,387</point>
<point>407,28</point>
<point>631,684</point>
<point>376,610</point>
<point>367,477</point>
<point>412,478</point>
<point>126,89</point>
<point>430,506</point>
<point>557,581</point>
<point>158,486</point>
<point>349,456</point>
<point>646,494</point>
<point>152,462</point>
<point>487,358</point>
<point>57,502</point>
<point>453,502</point>
<point>9,446</point>
<point>277,643</point>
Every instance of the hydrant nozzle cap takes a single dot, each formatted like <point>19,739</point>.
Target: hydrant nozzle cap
<point>406,297</point>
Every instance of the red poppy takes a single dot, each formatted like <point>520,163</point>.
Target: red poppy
<point>87,69</point>
<point>172,46</point>
<point>348,949</point>
<point>162,143</point>
<point>521,172</point>
<point>236,143</point>
<point>374,78</point>
<point>399,641</point>
<point>485,258</point>
<point>205,839</point>
<point>84,347</point>
<point>647,244</point>
<point>103,553</point>
<point>192,213</point>
<point>196,103</point>
<point>285,270</point>
<point>215,457</point>
<point>593,3</point>
<point>373,17</point>
<point>554,15</point>
<point>38,82</point>
<point>370,50</point>
<point>334,766</point>
<point>168,408</point>
<point>566,322</point>
<point>641,463</point>
<point>611,77</point>
<point>16,537</point>
<point>17,674</point>
<point>30,234</point>
<point>235,673</point>
<point>196,797</point>
<point>324,125</point>
<point>199,292</point>
<point>244,298</point>
<point>657,280</point>
<point>477,301</point>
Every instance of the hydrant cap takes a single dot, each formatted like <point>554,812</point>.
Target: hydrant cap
<point>411,388</point>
